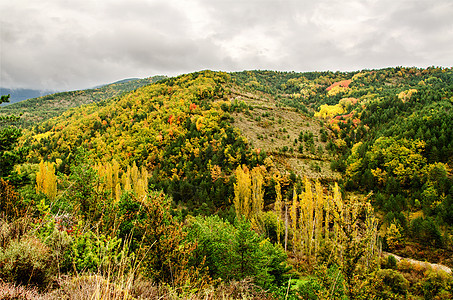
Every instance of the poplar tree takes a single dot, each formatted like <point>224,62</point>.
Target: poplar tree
<point>242,191</point>
<point>257,190</point>
<point>278,209</point>
<point>46,180</point>
<point>294,220</point>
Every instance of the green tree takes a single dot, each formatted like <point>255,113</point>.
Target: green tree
<point>9,136</point>
<point>234,252</point>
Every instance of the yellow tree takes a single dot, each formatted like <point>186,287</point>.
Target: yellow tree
<point>293,216</point>
<point>278,209</point>
<point>319,210</point>
<point>140,181</point>
<point>126,180</point>
<point>108,173</point>
<point>46,180</point>
<point>311,217</point>
<point>242,191</point>
<point>257,191</point>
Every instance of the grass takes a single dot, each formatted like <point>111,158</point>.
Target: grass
<point>275,128</point>
<point>95,286</point>
<point>121,280</point>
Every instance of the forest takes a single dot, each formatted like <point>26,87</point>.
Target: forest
<point>243,185</point>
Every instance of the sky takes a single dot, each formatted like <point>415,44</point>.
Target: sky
<point>76,44</point>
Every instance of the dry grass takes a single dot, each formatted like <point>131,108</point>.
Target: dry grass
<point>272,128</point>
<point>99,287</point>
<point>9,291</point>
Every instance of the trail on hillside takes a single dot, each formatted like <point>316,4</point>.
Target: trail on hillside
<point>422,264</point>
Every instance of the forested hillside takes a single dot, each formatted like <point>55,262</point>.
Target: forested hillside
<point>39,109</point>
<point>255,184</point>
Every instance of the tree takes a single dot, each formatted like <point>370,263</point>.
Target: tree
<point>10,203</point>
<point>242,192</point>
<point>9,135</point>
<point>235,251</point>
<point>46,180</point>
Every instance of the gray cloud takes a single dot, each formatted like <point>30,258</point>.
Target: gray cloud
<point>59,44</point>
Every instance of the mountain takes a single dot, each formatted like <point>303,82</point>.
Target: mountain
<point>363,128</point>
<point>39,109</point>
<point>117,82</point>
<point>242,174</point>
<point>17,95</point>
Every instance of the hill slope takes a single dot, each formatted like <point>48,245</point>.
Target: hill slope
<point>42,108</point>
<point>386,132</point>
<point>231,150</point>
<point>17,95</point>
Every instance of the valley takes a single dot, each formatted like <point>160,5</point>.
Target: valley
<point>282,185</point>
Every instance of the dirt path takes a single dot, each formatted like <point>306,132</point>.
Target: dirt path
<point>423,264</point>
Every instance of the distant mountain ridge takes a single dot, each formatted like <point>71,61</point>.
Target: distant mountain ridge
<point>39,109</point>
<point>117,82</point>
<point>17,95</point>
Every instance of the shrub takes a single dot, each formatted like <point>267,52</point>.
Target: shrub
<point>235,252</point>
<point>392,283</point>
<point>10,231</point>
<point>26,261</point>
<point>11,206</point>
<point>92,252</point>
<point>390,262</point>
<point>266,223</point>
<point>158,239</point>
<point>437,284</point>
<point>327,284</point>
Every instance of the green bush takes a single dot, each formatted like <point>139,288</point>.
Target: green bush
<point>92,252</point>
<point>235,252</point>
<point>156,238</point>
<point>267,223</point>
<point>438,285</point>
<point>26,261</point>
<point>389,262</point>
<point>426,232</point>
<point>393,283</point>
<point>327,284</point>
<point>60,243</point>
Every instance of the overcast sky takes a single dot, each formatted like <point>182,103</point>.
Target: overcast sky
<point>76,44</point>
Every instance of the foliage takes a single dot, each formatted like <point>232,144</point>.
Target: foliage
<point>11,205</point>
<point>425,231</point>
<point>46,181</point>
<point>26,260</point>
<point>389,131</point>
<point>437,286</point>
<point>9,136</point>
<point>159,239</point>
<point>83,191</point>
<point>38,110</point>
<point>95,252</point>
<point>175,128</point>
<point>235,252</point>
<point>392,284</point>
<point>249,191</point>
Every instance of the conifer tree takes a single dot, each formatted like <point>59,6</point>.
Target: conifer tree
<point>9,136</point>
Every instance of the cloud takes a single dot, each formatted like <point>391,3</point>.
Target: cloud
<point>59,44</point>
